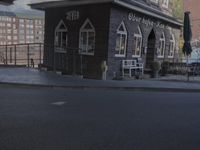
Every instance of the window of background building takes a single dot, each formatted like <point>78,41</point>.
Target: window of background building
<point>137,43</point>
<point>61,37</point>
<point>9,19</point>
<point>87,38</point>
<point>161,49</point>
<point>15,31</point>
<point>21,31</point>
<point>9,31</point>
<point>14,26</point>
<point>9,25</point>
<point>120,49</point>
<point>171,46</point>
<point>21,20</point>
<point>14,37</point>
<point>9,37</point>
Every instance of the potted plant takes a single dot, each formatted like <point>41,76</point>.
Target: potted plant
<point>155,68</point>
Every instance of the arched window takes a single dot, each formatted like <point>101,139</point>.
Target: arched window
<point>161,48</point>
<point>154,1</point>
<point>87,38</point>
<point>120,49</point>
<point>165,3</point>
<point>171,46</point>
<point>137,43</point>
<point>60,41</point>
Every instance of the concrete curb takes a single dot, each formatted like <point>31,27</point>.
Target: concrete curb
<point>84,87</point>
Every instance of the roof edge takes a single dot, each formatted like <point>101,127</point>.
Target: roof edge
<point>44,5</point>
<point>161,16</point>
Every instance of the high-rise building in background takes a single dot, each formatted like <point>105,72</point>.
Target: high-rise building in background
<point>16,28</point>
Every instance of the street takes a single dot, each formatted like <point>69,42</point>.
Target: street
<point>92,119</point>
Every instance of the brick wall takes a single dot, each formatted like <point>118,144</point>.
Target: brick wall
<point>194,6</point>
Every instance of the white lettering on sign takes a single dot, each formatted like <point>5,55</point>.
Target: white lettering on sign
<point>72,15</point>
<point>143,20</point>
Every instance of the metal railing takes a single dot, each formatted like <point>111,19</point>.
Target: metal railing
<point>30,54</point>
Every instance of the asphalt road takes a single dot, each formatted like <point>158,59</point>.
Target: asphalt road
<point>64,119</point>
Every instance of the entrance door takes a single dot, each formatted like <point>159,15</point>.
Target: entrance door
<point>150,49</point>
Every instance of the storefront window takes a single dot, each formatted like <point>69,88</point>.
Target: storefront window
<point>120,49</point>
<point>171,46</point>
<point>87,38</point>
<point>161,49</point>
<point>60,37</point>
<point>137,43</point>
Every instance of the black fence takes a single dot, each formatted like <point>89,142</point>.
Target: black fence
<point>30,55</point>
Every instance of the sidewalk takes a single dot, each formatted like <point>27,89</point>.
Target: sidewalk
<point>34,77</point>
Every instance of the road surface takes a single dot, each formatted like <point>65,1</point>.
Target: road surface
<point>69,119</point>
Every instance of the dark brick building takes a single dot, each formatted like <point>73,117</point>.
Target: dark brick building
<point>82,35</point>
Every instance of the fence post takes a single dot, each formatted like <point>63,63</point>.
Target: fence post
<point>11,55</point>
<point>15,55</point>
<point>6,54</point>
<point>74,62</point>
<point>28,55</point>
<point>40,53</point>
<point>54,59</point>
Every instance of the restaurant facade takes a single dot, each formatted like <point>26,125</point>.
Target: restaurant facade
<point>92,37</point>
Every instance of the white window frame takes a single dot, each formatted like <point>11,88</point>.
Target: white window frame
<point>154,1</point>
<point>121,34</point>
<point>58,48</point>
<point>165,3</point>
<point>138,36</point>
<point>87,46</point>
<point>161,48</point>
<point>172,44</point>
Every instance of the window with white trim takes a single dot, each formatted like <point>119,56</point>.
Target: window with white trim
<point>60,41</point>
<point>165,3</point>
<point>137,43</point>
<point>87,38</point>
<point>154,1</point>
<point>161,48</point>
<point>121,41</point>
<point>171,46</point>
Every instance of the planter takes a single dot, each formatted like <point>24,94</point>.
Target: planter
<point>155,68</point>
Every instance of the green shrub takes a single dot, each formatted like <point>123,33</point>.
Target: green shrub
<point>155,66</point>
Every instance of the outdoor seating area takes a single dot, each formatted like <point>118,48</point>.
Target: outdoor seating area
<point>132,67</point>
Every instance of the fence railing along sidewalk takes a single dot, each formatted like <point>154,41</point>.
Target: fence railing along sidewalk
<point>30,54</point>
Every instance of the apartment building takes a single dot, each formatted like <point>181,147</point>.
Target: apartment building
<point>16,28</point>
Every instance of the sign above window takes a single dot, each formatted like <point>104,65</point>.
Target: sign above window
<point>146,21</point>
<point>72,15</point>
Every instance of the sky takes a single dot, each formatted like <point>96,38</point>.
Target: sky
<point>21,6</point>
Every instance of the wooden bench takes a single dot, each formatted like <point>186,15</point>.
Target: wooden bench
<point>131,65</point>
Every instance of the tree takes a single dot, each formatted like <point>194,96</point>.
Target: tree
<point>177,9</point>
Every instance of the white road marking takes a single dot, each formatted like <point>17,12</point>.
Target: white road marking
<point>59,103</point>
